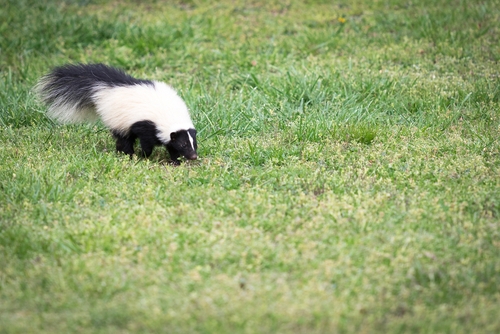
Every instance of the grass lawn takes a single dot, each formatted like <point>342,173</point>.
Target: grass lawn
<point>348,179</point>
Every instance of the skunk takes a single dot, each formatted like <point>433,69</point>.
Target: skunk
<point>131,108</point>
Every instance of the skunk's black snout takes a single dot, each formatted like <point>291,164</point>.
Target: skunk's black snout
<point>183,143</point>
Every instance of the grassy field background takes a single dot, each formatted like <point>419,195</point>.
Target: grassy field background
<point>348,180</point>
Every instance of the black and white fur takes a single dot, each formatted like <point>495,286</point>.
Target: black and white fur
<point>131,108</point>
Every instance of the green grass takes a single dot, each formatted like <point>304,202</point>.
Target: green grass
<point>348,180</point>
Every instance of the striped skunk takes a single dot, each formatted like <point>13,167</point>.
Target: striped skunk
<point>131,108</point>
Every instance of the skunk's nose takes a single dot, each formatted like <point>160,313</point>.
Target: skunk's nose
<point>193,156</point>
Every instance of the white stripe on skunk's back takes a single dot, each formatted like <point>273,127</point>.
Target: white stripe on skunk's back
<point>120,107</point>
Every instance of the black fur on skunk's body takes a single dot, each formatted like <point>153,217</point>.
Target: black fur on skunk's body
<point>131,108</point>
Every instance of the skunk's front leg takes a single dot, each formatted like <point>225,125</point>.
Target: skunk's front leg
<point>124,144</point>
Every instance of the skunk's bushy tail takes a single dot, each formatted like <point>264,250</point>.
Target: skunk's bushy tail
<point>69,90</point>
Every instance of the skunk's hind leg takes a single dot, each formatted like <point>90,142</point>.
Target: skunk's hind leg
<point>125,144</point>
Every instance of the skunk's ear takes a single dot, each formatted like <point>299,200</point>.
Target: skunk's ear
<point>173,135</point>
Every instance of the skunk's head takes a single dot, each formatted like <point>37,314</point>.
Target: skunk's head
<point>184,143</point>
